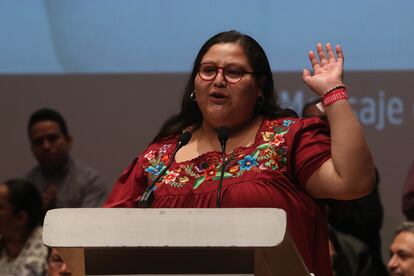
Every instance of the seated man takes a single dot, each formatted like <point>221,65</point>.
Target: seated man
<point>63,181</point>
<point>402,251</point>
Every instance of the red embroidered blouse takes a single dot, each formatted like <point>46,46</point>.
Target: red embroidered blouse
<point>270,173</point>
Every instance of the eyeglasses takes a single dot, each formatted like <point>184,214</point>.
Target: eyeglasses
<point>232,74</point>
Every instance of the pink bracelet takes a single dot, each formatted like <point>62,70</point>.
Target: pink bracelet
<point>333,96</point>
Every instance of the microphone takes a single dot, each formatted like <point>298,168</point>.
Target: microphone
<point>223,136</point>
<point>147,196</point>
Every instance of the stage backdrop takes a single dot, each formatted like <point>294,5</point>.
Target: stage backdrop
<point>116,70</point>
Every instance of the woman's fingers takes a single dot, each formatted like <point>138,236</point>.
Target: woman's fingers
<point>313,60</point>
<point>306,74</point>
<point>331,55</point>
<point>339,53</point>
<point>322,58</point>
<point>321,54</point>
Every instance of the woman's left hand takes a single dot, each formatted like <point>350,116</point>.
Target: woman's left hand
<point>327,71</point>
<point>349,173</point>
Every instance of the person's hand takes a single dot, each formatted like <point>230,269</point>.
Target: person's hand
<point>327,71</point>
<point>49,197</point>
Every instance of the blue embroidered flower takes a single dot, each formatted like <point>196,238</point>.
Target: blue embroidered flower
<point>287,123</point>
<point>247,162</point>
<point>155,170</point>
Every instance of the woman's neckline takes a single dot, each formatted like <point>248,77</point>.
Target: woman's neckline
<point>219,154</point>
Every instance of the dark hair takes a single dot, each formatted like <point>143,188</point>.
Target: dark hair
<point>406,226</point>
<point>309,104</point>
<point>48,114</point>
<point>190,114</point>
<point>24,196</point>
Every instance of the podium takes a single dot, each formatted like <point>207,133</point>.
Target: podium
<point>236,241</point>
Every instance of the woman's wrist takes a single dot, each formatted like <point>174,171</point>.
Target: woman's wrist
<point>334,94</point>
<point>333,88</point>
<point>321,90</point>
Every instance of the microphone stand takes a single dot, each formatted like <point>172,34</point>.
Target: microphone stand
<point>222,137</point>
<point>147,196</point>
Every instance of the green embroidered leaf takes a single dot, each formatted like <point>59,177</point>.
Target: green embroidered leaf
<point>176,184</point>
<point>198,182</point>
<point>281,132</point>
<point>188,169</point>
<point>218,174</point>
<point>263,146</point>
<point>227,175</point>
<point>255,154</point>
<point>261,158</point>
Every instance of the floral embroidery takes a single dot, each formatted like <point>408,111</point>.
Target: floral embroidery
<point>287,123</point>
<point>270,155</point>
<point>157,161</point>
<point>155,170</point>
<point>164,148</point>
<point>234,168</point>
<point>170,177</point>
<point>150,155</point>
<point>247,162</point>
<point>267,136</point>
<point>277,140</point>
<point>210,172</point>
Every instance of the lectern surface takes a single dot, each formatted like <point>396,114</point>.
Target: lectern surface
<point>227,227</point>
<point>228,241</point>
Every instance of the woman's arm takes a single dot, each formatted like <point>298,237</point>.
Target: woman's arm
<point>350,172</point>
<point>128,188</point>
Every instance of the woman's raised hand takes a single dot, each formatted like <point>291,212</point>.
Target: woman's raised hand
<point>327,70</point>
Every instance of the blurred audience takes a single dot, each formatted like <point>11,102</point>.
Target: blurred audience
<point>402,251</point>
<point>360,218</point>
<point>408,194</point>
<point>21,249</point>
<point>56,265</point>
<point>349,255</point>
<point>63,180</point>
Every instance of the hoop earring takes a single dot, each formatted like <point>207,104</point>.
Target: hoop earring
<point>193,96</point>
<point>260,100</point>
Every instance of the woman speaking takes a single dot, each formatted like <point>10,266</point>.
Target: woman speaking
<point>245,151</point>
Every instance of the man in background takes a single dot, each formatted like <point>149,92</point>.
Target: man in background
<point>402,251</point>
<point>62,180</point>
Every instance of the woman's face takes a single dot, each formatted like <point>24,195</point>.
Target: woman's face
<point>223,103</point>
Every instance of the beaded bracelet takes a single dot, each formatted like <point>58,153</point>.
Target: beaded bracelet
<point>333,96</point>
<point>339,86</point>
